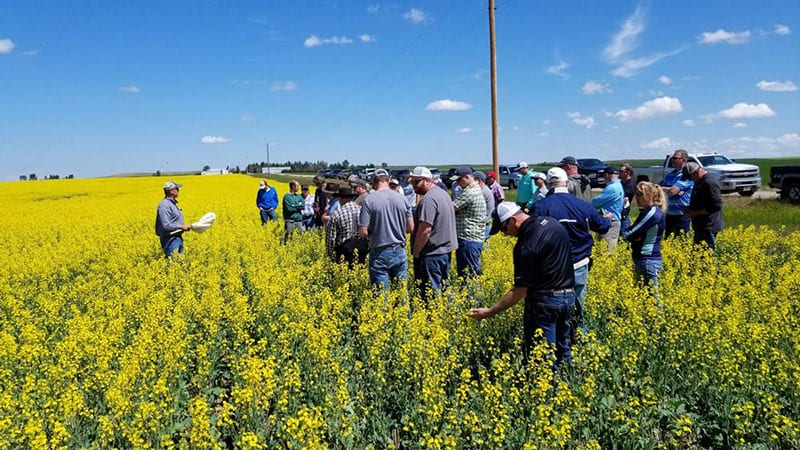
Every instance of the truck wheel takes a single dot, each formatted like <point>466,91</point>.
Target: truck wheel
<point>747,193</point>
<point>512,184</point>
<point>792,193</point>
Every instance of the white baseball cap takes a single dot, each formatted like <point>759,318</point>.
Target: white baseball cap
<point>503,212</point>
<point>556,174</point>
<point>421,172</point>
<point>522,164</point>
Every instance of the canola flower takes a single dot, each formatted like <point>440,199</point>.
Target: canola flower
<point>244,342</point>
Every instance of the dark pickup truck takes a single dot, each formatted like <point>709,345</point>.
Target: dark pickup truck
<point>787,180</point>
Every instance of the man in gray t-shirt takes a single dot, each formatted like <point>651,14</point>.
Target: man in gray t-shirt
<point>434,236</point>
<point>385,219</point>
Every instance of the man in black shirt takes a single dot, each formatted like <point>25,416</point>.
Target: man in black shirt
<point>705,206</point>
<point>543,274</point>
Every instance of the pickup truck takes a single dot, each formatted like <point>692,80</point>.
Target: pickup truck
<point>508,175</point>
<point>733,177</point>
<point>787,180</point>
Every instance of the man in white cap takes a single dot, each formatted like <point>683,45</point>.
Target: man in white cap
<point>434,237</point>
<point>267,202</point>
<point>169,220</point>
<point>525,186</point>
<point>579,219</point>
<point>543,275</point>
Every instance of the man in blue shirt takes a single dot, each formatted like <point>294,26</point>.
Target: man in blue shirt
<point>678,191</point>
<point>609,202</point>
<point>580,219</point>
<point>267,202</point>
<point>169,220</point>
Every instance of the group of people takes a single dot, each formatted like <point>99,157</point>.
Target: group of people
<point>553,219</point>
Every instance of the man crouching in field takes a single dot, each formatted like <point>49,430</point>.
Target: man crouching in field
<point>543,274</point>
<point>169,220</point>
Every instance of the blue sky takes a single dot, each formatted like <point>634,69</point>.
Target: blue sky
<point>96,88</point>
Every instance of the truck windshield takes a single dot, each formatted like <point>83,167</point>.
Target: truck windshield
<point>713,159</point>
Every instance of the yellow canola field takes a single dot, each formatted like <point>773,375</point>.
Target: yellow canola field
<point>248,343</point>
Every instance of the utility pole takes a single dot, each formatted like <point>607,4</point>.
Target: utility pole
<point>268,169</point>
<point>493,53</point>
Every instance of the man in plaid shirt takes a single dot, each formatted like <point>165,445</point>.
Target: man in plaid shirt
<point>470,220</point>
<point>342,226</point>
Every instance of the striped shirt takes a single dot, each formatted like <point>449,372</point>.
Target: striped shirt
<point>646,233</point>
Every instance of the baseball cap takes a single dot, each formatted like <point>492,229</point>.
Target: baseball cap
<point>569,160</point>
<point>690,168</point>
<point>461,171</point>
<point>491,174</point>
<point>539,175</point>
<point>503,212</point>
<point>381,173</point>
<point>262,183</point>
<point>522,164</point>
<point>303,187</point>
<point>610,170</point>
<point>170,185</point>
<point>555,175</point>
<point>354,180</point>
<point>345,191</point>
<point>421,172</point>
<point>480,175</point>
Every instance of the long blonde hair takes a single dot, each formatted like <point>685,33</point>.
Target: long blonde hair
<point>650,193</point>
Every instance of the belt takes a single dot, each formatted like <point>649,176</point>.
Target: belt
<point>555,291</point>
<point>388,247</point>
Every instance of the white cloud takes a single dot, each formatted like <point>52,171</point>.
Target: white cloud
<point>283,86</point>
<point>315,41</point>
<point>662,106</point>
<point>544,134</point>
<point>373,9</point>
<point>776,86</point>
<point>587,121</point>
<point>28,53</point>
<point>663,79</point>
<point>746,111</point>
<point>593,87</point>
<point>782,30</point>
<point>663,143</point>
<point>366,38</point>
<point>464,130</point>
<point>625,41</point>
<point>133,89</point>
<point>631,67</point>
<point>247,118</point>
<point>214,140</point>
<point>6,46</point>
<point>547,121</point>
<point>740,125</point>
<point>789,140</point>
<point>724,37</point>
<point>416,16</point>
<point>448,105</point>
<point>688,123</point>
<point>558,69</point>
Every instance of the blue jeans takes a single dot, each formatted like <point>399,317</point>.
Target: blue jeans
<point>172,243</point>
<point>387,263</point>
<point>676,224</point>
<point>549,312</point>
<point>267,215</point>
<point>468,258</point>
<point>581,279</point>
<point>431,272</point>
<point>647,269</point>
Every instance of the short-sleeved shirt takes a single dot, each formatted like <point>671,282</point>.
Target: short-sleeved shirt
<point>543,256</point>
<point>436,209</point>
<point>677,203</point>
<point>384,213</point>
<point>471,214</point>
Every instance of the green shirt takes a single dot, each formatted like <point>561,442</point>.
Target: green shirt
<point>471,214</point>
<point>293,205</point>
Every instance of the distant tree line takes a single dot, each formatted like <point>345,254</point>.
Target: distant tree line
<point>305,166</point>
<point>33,177</point>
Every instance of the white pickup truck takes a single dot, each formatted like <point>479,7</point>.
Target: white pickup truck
<point>733,177</point>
